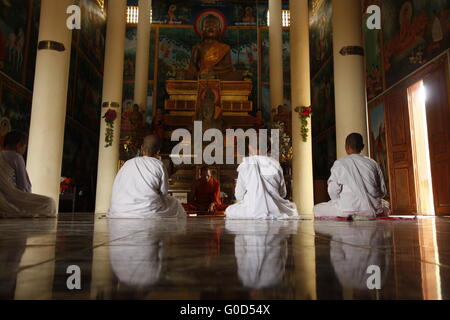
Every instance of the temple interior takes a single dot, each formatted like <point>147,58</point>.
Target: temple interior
<point>87,80</point>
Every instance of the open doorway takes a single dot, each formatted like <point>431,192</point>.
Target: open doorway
<point>420,149</point>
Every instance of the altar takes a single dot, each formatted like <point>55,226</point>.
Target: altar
<point>232,108</point>
<point>211,90</point>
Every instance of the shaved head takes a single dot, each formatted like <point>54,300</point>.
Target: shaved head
<point>205,173</point>
<point>355,142</point>
<point>151,145</point>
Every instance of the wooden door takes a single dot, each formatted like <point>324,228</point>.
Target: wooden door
<point>401,168</point>
<point>438,121</point>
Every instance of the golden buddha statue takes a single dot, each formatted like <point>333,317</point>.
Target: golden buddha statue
<point>211,58</point>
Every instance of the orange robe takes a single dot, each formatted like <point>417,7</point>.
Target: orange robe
<point>206,193</point>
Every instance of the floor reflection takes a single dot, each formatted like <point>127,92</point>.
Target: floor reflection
<point>357,252</point>
<point>24,248</point>
<point>136,250</point>
<point>213,258</point>
<point>261,250</point>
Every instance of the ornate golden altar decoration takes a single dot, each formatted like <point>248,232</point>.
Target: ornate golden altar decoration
<point>232,96</point>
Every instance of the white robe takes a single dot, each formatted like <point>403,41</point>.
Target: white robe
<point>260,191</point>
<point>261,250</point>
<point>15,203</point>
<point>356,187</point>
<point>140,190</point>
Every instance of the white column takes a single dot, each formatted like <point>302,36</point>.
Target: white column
<point>142,55</point>
<point>276,53</point>
<point>108,158</point>
<point>49,104</point>
<point>302,164</point>
<point>349,73</point>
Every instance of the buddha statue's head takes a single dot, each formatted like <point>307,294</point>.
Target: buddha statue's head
<point>211,28</point>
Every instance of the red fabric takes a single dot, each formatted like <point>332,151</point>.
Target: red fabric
<point>206,193</point>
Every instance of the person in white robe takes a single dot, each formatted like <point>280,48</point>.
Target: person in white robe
<point>14,147</point>
<point>261,190</point>
<point>140,189</point>
<point>14,202</point>
<point>261,250</point>
<point>356,185</point>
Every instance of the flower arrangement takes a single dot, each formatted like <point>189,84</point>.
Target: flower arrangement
<point>65,184</point>
<point>304,114</point>
<point>110,117</point>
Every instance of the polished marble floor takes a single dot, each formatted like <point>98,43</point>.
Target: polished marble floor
<point>213,258</point>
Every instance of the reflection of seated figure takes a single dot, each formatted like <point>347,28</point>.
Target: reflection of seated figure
<point>353,248</point>
<point>261,250</point>
<point>137,249</point>
<point>205,196</point>
<point>211,58</point>
<point>12,248</point>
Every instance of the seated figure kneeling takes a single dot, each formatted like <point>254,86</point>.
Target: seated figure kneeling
<point>205,196</point>
<point>140,189</point>
<point>356,186</point>
<point>260,190</point>
<point>16,199</point>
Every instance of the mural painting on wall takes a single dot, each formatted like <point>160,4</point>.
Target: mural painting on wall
<point>183,12</point>
<point>15,111</point>
<point>262,13</point>
<point>175,46</point>
<point>174,54</point>
<point>414,32</point>
<point>88,95</point>
<point>171,12</point>
<point>244,53</point>
<point>13,27</point>
<point>286,57</point>
<point>322,98</point>
<point>80,158</point>
<point>31,63</point>
<point>265,58</point>
<point>134,122</point>
<point>320,24</point>
<point>130,53</point>
<point>324,154</point>
<point>92,33</point>
<point>265,101</point>
<point>374,67</point>
<point>377,132</point>
<point>245,15</point>
<point>265,62</point>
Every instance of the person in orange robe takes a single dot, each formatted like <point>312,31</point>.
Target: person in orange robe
<point>206,194</point>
